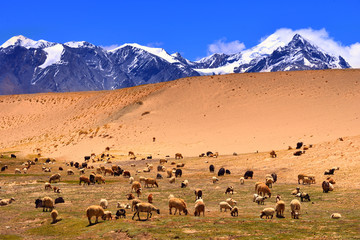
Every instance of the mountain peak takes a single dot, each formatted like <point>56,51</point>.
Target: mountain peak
<point>20,40</point>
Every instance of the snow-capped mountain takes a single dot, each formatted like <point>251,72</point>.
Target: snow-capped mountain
<point>28,66</point>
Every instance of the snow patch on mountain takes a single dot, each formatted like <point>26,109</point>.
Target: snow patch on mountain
<point>54,54</point>
<point>79,44</point>
<point>26,42</point>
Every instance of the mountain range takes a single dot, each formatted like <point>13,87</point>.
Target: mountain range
<point>28,66</point>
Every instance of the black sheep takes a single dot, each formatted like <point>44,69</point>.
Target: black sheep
<point>248,174</point>
<point>120,213</point>
<point>87,158</point>
<point>299,145</point>
<point>178,173</point>
<point>212,168</point>
<point>274,176</point>
<point>159,176</point>
<point>59,200</point>
<point>227,171</point>
<point>221,172</point>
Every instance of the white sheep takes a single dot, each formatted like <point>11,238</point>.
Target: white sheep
<point>225,205</point>
<point>131,180</point>
<point>17,171</point>
<point>184,184</point>
<point>331,187</point>
<point>25,170</point>
<point>255,196</point>
<point>215,179</point>
<point>335,216</point>
<point>267,212</point>
<point>231,202</point>
<point>242,180</point>
<point>260,200</point>
<point>71,172</point>
<point>48,186</point>
<point>104,203</point>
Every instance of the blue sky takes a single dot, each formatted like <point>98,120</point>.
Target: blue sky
<point>188,27</point>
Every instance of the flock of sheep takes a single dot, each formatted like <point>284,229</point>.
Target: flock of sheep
<point>262,191</point>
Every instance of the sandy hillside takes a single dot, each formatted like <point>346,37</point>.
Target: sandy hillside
<point>228,113</point>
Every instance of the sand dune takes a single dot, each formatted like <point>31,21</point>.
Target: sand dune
<point>229,113</point>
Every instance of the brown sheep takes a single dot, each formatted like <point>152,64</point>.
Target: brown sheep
<point>131,153</point>
<point>257,185</point>
<point>262,190</point>
<point>178,204</point>
<point>199,207</point>
<point>84,179</point>
<point>94,210</point>
<point>99,179</point>
<point>130,196</point>
<point>151,181</point>
<point>273,154</point>
<point>162,161</point>
<point>331,180</point>
<point>169,173</point>
<point>307,181</point>
<point>135,186</point>
<point>150,198</point>
<point>102,168</point>
<point>54,177</point>
<point>178,156</point>
<point>109,171</point>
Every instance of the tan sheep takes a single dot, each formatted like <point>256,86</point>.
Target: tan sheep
<point>104,203</point>
<point>4,202</point>
<point>17,171</point>
<point>135,186</point>
<point>48,186</point>
<point>107,215</point>
<point>262,190</point>
<point>296,191</point>
<point>335,216</point>
<point>307,181</point>
<point>151,182</point>
<point>142,179</point>
<point>54,214</point>
<point>178,156</point>
<point>109,171</point>
<point>55,177</point>
<point>267,212</point>
<point>46,203</point>
<point>134,202</point>
<point>169,173</point>
<point>131,180</point>
<point>172,180</point>
<point>178,204</point>
<point>234,211</point>
<point>145,207</point>
<point>331,187</point>
<point>199,207</point>
<point>215,179</point>
<point>269,182</point>
<point>231,201</point>
<point>225,205</point>
<point>94,211</point>
<point>295,206</point>
<point>99,179</point>
<point>280,208</point>
<point>98,170</point>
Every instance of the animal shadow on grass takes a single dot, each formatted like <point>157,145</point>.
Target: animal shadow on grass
<point>57,220</point>
<point>92,224</point>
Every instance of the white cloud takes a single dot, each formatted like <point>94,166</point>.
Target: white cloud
<point>154,44</point>
<point>322,39</point>
<point>111,47</point>
<point>220,46</point>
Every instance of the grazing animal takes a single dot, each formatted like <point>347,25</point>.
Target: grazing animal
<point>295,206</point>
<point>299,153</point>
<point>234,211</point>
<point>248,174</point>
<point>178,173</point>
<point>227,171</point>
<point>198,194</point>
<point>145,207</point>
<point>263,190</point>
<point>4,202</point>
<point>305,196</point>
<point>99,179</point>
<point>109,171</point>
<point>59,200</point>
<point>221,172</point>
<point>242,180</point>
<point>48,186</point>
<point>215,179</point>
<point>13,156</point>
<point>17,171</point>
<point>229,190</point>
<point>86,158</point>
<point>269,182</point>
<point>76,165</point>
<point>330,172</point>
<point>130,196</point>
<point>55,177</point>
<point>184,184</point>
<point>159,176</point>
<point>107,215</point>
<point>135,186</point>
<point>335,216</point>
<point>134,202</point>
<point>161,168</point>
<point>280,208</point>
<point>46,203</point>
<point>61,169</point>
<point>212,168</point>
<point>260,200</point>
<point>126,174</point>
<point>120,213</point>
<point>325,186</point>
<point>199,207</point>
<point>57,190</point>
<point>273,154</point>
<point>296,191</point>
<point>94,211</point>
<point>169,173</point>
<point>150,198</point>
<point>104,203</point>
<point>178,156</point>
<point>54,214</point>
<point>178,204</point>
<point>299,145</point>
<point>131,153</point>
<point>267,212</point>
<point>84,179</point>
<point>225,205</point>
<point>172,180</point>
<point>4,168</point>
<point>151,182</point>
<point>162,161</point>
<point>231,201</point>
<point>274,176</point>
